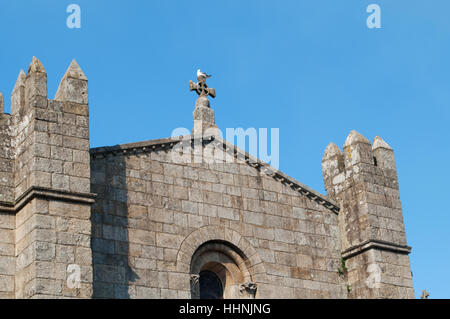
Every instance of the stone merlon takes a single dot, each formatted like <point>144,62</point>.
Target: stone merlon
<point>331,151</point>
<point>379,142</point>
<point>73,86</point>
<point>36,66</point>
<point>355,137</point>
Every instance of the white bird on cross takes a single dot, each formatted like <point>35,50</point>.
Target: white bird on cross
<point>202,76</point>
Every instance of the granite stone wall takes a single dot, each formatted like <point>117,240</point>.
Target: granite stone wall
<point>140,221</point>
<point>152,214</point>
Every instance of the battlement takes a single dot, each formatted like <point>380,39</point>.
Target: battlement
<point>362,178</point>
<point>358,162</point>
<point>45,170</point>
<point>30,89</point>
<point>46,137</point>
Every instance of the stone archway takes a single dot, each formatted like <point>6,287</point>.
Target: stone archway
<point>226,262</point>
<point>225,253</point>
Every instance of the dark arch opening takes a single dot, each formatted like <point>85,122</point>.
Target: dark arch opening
<point>227,263</point>
<point>210,285</point>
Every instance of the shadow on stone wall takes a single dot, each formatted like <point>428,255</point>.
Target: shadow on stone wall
<point>109,220</point>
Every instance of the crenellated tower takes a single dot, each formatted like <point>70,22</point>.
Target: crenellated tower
<point>363,180</point>
<point>46,166</point>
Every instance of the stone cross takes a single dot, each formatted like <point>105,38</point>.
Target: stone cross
<point>425,294</point>
<point>202,89</point>
<point>203,114</point>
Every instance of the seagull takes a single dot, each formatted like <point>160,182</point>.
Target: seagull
<point>201,76</point>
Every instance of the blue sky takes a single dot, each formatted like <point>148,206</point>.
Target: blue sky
<point>310,68</point>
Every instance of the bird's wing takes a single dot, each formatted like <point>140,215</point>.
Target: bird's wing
<point>203,74</point>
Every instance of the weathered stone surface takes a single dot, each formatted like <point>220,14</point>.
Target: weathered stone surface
<point>155,223</point>
<point>46,176</point>
<point>366,222</point>
<point>73,87</point>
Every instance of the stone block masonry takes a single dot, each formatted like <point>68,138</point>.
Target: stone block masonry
<point>45,194</point>
<point>129,221</point>
<point>363,180</point>
<point>149,207</point>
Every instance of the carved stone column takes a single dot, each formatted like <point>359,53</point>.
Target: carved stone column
<point>195,286</point>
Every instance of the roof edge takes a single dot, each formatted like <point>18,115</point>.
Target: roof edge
<point>265,168</point>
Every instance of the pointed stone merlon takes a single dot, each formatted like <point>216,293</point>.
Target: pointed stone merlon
<point>383,153</point>
<point>333,169</point>
<point>2,105</point>
<point>74,86</point>
<point>357,150</point>
<point>36,85</point>
<point>18,94</point>
<point>338,166</point>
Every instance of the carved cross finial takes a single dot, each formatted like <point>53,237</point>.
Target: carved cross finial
<point>425,294</point>
<point>202,89</point>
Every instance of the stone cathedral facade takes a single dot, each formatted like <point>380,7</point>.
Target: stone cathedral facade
<point>130,221</point>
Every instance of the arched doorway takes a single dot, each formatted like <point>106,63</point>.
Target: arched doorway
<point>219,270</point>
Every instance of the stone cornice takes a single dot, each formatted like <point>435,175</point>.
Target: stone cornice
<point>167,143</point>
<point>49,193</point>
<point>375,244</point>
<point>139,147</point>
